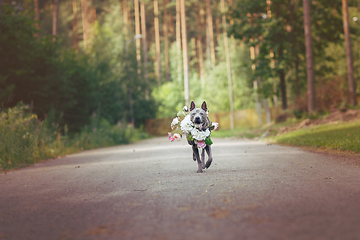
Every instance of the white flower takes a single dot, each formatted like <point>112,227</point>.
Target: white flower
<point>215,124</point>
<point>186,125</point>
<point>174,122</point>
<point>200,135</point>
<point>177,136</point>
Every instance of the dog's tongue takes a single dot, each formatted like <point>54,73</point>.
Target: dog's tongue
<point>201,144</point>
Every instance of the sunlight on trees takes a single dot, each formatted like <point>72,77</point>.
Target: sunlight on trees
<point>70,57</point>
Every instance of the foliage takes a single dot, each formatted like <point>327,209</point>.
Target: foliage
<point>213,89</point>
<point>39,72</point>
<point>282,33</point>
<point>71,85</point>
<point>24,139</point>
<point>100,133</point>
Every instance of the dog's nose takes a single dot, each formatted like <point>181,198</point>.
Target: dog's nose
<point>197,120</point>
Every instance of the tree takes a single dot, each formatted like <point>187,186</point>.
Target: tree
<point>178,39</point>
<point>75,25</point>
<point>349,59</point>
<point>185,52</point>
<point>144,40</point>
<point>210,30</point>
<point>309,57</point>
<point>281,40</point>
<point>227,54</point>
<point>157,41</point>
<point>88,19</point>
<point>36,15</point>
<point>55,17</point>
<point>166,41</point>
<point>137,33</point>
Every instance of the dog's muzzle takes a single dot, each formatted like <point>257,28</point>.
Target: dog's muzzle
<point>197,120</point>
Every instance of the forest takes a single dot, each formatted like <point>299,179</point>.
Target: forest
<point>125,61</point>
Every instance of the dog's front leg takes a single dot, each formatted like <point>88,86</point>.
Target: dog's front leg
<point>196,152</point>
<point>208,150</point>
<point>203,158</point>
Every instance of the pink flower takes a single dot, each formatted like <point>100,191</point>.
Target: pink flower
<point>170,137</point>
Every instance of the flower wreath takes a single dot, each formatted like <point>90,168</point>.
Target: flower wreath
<point>182,124</point>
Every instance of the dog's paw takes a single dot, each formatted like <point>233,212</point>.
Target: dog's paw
<point>199,171</point>
<point>208,163</point>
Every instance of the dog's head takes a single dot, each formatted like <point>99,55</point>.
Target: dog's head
<point>198,115</point>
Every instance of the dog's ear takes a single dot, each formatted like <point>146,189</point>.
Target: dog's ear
<point>192,106</point>
<point>203,106</point>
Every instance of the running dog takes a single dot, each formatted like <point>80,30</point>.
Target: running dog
<point>201,121</point>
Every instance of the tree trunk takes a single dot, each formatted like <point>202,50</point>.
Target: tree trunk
<point>178,39</point>
<point>228,67</point>
<point>232,23</point>
<point>349,59</point>
<point>185,53</point>
<point>137,33</point>
<point>75,27</point>
<point>282,75</point>
<point>88,18</point>
<point>171,25</point>
<point>36,17</point>
<point>55,18</point>
<point>293,10</point>
<point>309,57</point>
<point>144,41</point>
<point>131,108</point>
<point>217,27</point>
<point>281,72</point>
<point>210,31</point>
<point>166,42</point>
<point>207,46</point>
<point>200,48</point>
<point>283,88</point>
<point>126,18</point>
<point>157,41</point>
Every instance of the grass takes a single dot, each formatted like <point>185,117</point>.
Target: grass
<point>342,136</point>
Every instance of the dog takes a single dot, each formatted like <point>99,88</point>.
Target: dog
<point>200,120</point>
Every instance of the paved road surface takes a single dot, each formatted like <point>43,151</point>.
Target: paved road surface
<point>150,190</point>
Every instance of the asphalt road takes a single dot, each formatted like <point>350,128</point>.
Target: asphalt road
<point>150,190</point>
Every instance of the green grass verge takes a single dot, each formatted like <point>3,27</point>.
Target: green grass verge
<point>342,136</point>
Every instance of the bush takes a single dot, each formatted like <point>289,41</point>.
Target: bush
<point>24,139</point>
<point>100,133</point>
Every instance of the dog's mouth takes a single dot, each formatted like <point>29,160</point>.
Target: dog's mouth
<point>198,125</point>
<point>197,120</point>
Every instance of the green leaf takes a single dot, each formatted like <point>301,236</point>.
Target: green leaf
<point>190,137</point>
<point>208,141</point>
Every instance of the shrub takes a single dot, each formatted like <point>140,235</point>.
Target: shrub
<point>24,139</point>
<point>22,136</point>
